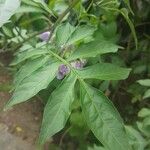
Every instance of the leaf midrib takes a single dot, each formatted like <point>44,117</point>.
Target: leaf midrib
<point>99,114</point>
<point>53,121</point>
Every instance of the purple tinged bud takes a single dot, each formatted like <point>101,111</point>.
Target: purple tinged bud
<point>62,71</point>
<point>78,64</point>
<point>60,76</point>
<point>44,36</point>
<point>83,61</point>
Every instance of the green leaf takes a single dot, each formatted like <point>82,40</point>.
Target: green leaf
<point>28,54</point>
<point>146,122</point>
<point>44,6</point>
<point>31,85</point>
<point>27,9</point>
<point>100,45</point>
<point>135,139</point>
<point>80,33</point>
<point>57,110</point>
<point>144,82</point>
<point>7,9</point>
<point>144,112</point>
<point>7,31</point>
<point>30,3</point>
<point>145,130</point>
<point>103,119</point>
<point>96,148</point>
<point>76,119</point>
<point>147,94</point>
<point>109,31</point>
<point>63,33</point>
<point>104,71</point>
<point>124,13</point>
<point>67,34</point>
<point>29,68</point>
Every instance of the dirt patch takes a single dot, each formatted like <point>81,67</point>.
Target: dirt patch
<point>21,124</point>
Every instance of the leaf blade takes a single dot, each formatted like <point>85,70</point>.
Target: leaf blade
<point>28,54</point>
<point>135,138</point>
<point>29,68</point>
<point>103,119</point>
<point>104,71</point>
<point>144,82</point>
<point>80,33</point>
<point>57,110</point>
<point>63,33</point>
<point>100,45</point>
<point>31,85</point>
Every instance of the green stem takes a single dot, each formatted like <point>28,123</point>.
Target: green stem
<point>66,63</point>
<point>50,28</point>
<point>62,16</point>
<point>30,37</point>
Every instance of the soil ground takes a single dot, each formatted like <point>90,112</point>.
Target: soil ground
<point>19,127</point>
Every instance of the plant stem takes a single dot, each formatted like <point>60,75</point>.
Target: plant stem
<point>60,18</point>
<point>30,37</point>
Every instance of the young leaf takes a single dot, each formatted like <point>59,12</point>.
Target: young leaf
<point>96,148</point>
<point>144,82</point>
<point>135,139</point>
<point>63,33</point>
<point>67,34</point>
<point>31,85</point>
<point>29,68</point>
<point>146,122</point>
<point>80,33</point>
<point>109,31</point>
<point>103,119</point>
<point>144,112</point>
<point>30,3</point>
<point>100,45</point>
<point>27,9</point>
<point>147,94</point>
<point>57,109</point>
<point>44,6</point>
<point>143,129</point>
<point>7,9</point>
<point>104,71</point>
<point>28,54</point>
